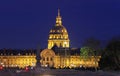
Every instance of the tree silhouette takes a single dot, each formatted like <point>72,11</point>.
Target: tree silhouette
<point>86,53</point>
<point>111,55</point>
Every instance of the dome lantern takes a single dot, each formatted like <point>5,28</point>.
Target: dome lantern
<point>58,19</point>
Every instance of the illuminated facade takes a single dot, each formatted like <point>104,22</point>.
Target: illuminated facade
<point>59,54</point>
<point>16,59</point>
<point>61,60</point>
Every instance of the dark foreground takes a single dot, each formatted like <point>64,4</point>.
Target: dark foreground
<point>56,72</point>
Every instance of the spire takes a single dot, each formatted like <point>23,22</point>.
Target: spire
<point>58,12</point>
<point>58,19</point>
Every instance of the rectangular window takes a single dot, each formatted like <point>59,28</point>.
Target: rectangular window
<point>51,59</point>
<point>47,59</point>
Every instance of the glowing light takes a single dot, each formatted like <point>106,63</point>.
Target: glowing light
<point>65,42</point>
<point>26,68</point>
<point>1,67</point>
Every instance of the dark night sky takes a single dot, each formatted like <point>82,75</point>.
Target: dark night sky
<point>26,23</point>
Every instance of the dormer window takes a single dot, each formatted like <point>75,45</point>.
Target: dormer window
<point>50,30</point>
<point>58,31</point>
<point>53,30</point>
<point>18,53</point>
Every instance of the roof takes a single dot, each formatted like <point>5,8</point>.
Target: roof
<point>58,30</point>
<point>17,52</point>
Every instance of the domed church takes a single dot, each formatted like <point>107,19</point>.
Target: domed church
<point>59,54</point>
<point>58,34</point>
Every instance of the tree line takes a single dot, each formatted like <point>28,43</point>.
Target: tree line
<point>110,53</point>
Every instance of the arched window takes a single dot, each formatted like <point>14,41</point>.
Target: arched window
<point>47,59</point>
<point>43,59</point>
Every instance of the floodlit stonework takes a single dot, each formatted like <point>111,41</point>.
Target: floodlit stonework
<point>58,54</point>
<point>58,34</point>
<point>20,61</point>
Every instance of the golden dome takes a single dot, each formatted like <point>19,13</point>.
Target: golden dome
<point>58,34</point>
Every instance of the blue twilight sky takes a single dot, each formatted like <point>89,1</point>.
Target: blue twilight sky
<point>26,23</point>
